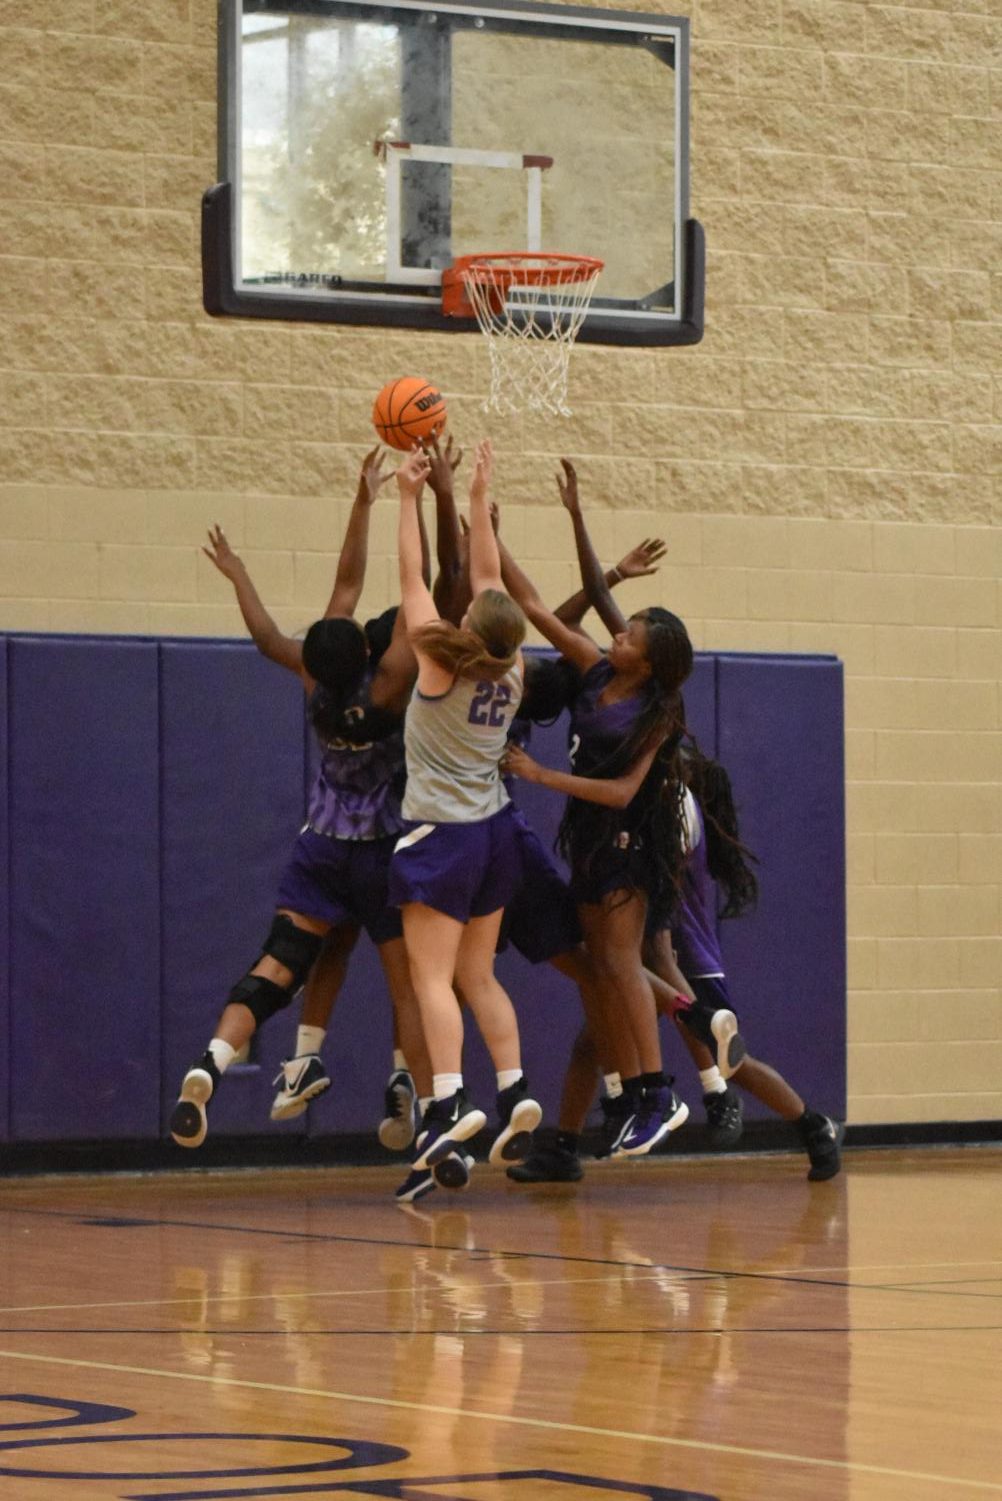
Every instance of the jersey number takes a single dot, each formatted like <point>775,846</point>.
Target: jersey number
<point>489,704</point>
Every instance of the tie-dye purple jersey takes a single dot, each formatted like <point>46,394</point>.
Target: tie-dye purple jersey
<point>360,783</point>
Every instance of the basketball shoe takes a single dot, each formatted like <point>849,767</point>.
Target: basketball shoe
<point>519,1115</point>
<point>396,1130</point>
<point>724,1117</point>
<point>188,1123</point>
<point>452,1172</point>
<point>822,1137</point>
<point>660,1111</point>
<point>717,1030</point>
<point>446,1123</point>
<point>302,1079</point>
<point>617,1112</point>
<point>553,1159</point>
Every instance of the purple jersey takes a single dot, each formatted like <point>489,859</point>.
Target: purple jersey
<point>694,922</point>
<point>359,785</point>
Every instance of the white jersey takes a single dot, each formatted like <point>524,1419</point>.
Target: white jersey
<point>454,742</point>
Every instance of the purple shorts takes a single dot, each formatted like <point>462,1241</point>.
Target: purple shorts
<point>341,880</point>
<point>542,920</point>
<point>462,869</point>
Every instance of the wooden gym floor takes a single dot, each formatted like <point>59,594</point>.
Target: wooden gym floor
<point>682,1328</point>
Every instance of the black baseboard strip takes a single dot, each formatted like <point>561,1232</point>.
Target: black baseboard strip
<point>23,1159</point>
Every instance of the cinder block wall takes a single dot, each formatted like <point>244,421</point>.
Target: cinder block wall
<point>826,466</point>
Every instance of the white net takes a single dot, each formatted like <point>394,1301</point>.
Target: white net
<point>530,309</point>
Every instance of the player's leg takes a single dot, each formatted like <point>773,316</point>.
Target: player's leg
<point>492,1009</point>
<point>290,949</point>
<point>411,1079</point>
<point>614,931</point>
<point>303,1077</point>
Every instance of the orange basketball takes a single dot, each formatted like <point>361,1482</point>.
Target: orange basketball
<point>407,410</point>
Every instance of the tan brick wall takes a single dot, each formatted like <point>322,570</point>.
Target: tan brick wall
<point>827,465</point>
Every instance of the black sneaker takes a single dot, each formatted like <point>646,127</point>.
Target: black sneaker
<point>822,1138</point>
<point>519,1115</point>
<point>717,1030</point>
<point>188,1124</point>
<point>453,1171</point>
<point>550,1161</point>
<point>396,1129</point>
<point>446,1122</point>
<point>724,1113</point>
<point>617,1112</point>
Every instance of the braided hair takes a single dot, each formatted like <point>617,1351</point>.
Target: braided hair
<point>728,858</point>
<point>588,829</point>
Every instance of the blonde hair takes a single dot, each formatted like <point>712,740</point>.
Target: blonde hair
<point>487,647</point>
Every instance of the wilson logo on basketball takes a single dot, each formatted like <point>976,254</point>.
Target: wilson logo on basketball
<point>431,400</point>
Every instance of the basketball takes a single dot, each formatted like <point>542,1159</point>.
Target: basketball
<point>407,411</point>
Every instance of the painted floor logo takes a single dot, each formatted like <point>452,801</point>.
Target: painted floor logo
<point>355,1455</point>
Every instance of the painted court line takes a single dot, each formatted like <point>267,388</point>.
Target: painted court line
<point>474,1414</point>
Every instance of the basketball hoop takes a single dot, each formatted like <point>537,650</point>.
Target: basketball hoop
<point>530,307</point>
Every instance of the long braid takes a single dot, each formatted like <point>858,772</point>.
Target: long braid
<point>729,859</point>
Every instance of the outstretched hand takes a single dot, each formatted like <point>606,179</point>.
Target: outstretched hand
<point>444,463</point>
<point>483,469</point>
<point>567,484</point>
<point>412,473</point>
<point>643,560</point>
<point>373,476</point>
<point>221,553</point>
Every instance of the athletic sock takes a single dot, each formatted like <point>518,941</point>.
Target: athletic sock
<point>399,1062</point>
<point>613,1085</point>
<point>222,1053</point>
<point>309,1040</point>
<point>712,1081</point>
<point>446,1085</point>
<point>507,1077</point>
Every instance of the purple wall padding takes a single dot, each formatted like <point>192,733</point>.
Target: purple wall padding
<point>232,767</point>
<point>155,791</point>
<point>780,728</point>
<point>84,898</point>
<point>4,905</point>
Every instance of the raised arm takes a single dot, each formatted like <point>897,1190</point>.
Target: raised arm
<point>572,644</point>
<point>269,640</point>
<point>485,563</point>
<point>416,601</point>
<point>451,587</point>
<point>640,562</point>
<point>350,577</point>
<point>596,589</point>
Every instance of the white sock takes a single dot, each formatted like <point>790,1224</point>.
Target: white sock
<point>222,1054</point>
<point>445,1085</point>
<point>399,1062</point>
<point>507,1077</point>
<point>613,1085</point>
<point>423,1104</point>
<point>712,1080</point>
<point>309,1040</point>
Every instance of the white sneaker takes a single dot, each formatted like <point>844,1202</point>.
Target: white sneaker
<point>302,1079</point>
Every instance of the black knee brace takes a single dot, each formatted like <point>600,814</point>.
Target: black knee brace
<point>261,997</point>
<point>293,947</point>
